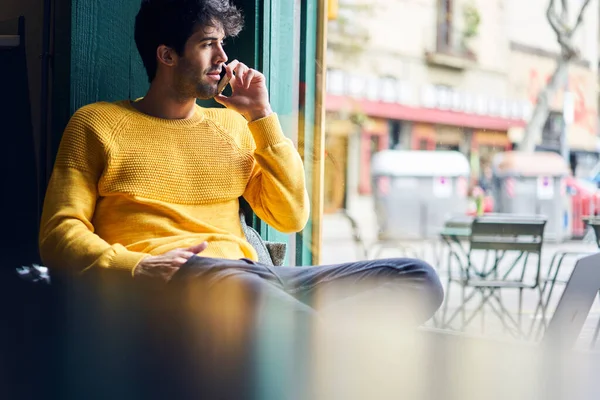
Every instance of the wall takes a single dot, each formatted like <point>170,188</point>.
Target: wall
<point>402,31</point>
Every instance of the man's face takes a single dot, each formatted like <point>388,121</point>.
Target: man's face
<point>197,71</point>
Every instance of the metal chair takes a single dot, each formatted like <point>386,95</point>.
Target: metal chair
<point>551,278</point>
<point>499,234</point>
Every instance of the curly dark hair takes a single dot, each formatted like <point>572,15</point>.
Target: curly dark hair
<point>172,22</point>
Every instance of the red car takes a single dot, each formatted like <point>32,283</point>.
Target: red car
<point>585,200</point>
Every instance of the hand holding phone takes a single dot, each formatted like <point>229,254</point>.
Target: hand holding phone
<point>249,96</point>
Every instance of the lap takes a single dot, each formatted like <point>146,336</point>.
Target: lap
<point>388,269</point>
<point>258,283</point>
<point>347,279</point>
<point>295,278</point>
<point>217,270</point>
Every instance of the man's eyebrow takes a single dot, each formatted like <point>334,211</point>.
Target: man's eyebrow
<point>210,38</point>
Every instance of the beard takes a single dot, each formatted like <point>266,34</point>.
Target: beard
<point>189,82</point>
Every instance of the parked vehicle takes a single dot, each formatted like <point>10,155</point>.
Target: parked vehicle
<point>585,200</point>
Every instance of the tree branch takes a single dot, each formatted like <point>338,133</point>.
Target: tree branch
<point>551,16</point>
<point>565,11</point>
<point>580,16</point>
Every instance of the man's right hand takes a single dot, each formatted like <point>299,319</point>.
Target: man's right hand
<point>165,265</point>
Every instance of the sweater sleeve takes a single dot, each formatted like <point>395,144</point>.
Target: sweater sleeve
<point>276,190</point>
<point>67,239</point>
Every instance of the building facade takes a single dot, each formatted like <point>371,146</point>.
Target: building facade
<point>451,74</point>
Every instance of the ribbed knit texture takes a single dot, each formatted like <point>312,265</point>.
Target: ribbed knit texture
<point>126,185</point>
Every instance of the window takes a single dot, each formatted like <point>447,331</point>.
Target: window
<point>444,28</point>
<point>395,128</point>
<point>551,133</point>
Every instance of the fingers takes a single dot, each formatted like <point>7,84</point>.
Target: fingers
<point>179,257</point>
<point>240,74</point>
<point>231,67</point>
<point>198,248</point>
<point>223,100</point>
<point>184,253</point>
<point>179,261</point>
<point>249,77</point>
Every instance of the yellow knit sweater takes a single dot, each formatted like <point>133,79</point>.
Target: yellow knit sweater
<point>126,185</point>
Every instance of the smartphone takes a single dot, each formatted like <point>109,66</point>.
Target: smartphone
<point>224,81</point>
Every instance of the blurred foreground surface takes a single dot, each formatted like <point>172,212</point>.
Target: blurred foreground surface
<point>118,344</point>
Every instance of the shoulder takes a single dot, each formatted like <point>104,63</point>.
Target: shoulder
<point>230,123</point>
<point>101,112</point>
<point>98,121</point>
<point>87,136</point>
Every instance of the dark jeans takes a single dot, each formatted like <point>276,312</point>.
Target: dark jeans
<point>412,283</point>
<point>257,322</point>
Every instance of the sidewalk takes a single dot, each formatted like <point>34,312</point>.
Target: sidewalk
<point>339,246</point>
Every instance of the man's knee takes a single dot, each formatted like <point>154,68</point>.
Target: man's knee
<point>433,282</point>
<point>426,276</point>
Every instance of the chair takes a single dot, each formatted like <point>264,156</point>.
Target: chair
<point>551,278</point>
<point>499,234</point>
<point>270,253</point>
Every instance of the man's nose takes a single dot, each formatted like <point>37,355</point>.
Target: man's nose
<point>221,56</point>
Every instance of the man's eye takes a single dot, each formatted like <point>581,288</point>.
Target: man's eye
<point>210,44</point>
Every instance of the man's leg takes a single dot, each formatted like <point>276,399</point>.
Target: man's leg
<point>369,310</point>
<point>242,332</point>
<point>258,284</point>
<point>408,287</point>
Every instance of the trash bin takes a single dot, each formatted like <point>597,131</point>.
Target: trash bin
<point>415,192</point>
<point>534,183</point>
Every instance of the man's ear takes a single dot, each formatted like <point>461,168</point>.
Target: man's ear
<point>166,55</point>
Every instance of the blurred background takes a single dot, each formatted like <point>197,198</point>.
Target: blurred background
<point>437,109</point>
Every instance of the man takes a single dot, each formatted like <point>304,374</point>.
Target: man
<point>144,186</point>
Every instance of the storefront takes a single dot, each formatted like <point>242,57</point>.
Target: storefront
<point>471,127</point>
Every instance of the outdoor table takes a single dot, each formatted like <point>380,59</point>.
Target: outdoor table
<point>453,236</point>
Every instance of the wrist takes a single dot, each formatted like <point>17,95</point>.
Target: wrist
<point>258,114</point>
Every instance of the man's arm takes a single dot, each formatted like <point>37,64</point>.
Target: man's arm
<point>67,238</point>
<point>276,190</point>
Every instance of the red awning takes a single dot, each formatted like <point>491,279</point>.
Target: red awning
<point>433,116</point>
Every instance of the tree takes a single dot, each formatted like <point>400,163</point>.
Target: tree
<point>564,31</point>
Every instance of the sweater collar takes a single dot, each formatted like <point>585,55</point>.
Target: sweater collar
<point>193,120</point>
